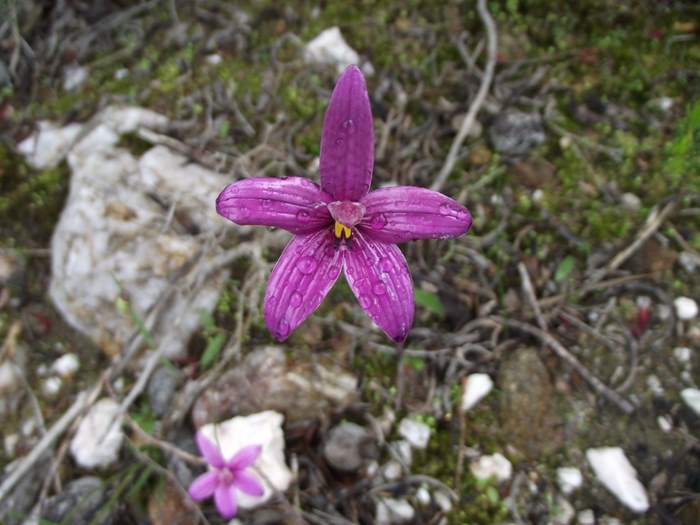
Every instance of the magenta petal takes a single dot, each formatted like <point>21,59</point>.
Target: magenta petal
<point>407,213</point>
<point>244,457</point>
<point>378,276</point>
<point>225,501</point>
<point>210,451</point>
<point>204,486</point>
<point>347,141</point>
<point>303,275</point>
<point>248,484</point>
<point>295,204</point>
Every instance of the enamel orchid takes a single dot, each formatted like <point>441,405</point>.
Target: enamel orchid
<point>225,476</point>
<point>340,227</point>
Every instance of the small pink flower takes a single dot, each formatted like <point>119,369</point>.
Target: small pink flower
<point>225,476</point>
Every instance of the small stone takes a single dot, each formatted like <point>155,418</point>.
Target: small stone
<point>537,195</point>
<point>682,354</point>
<point>51,386</point>
<point>392,470</point>
<point>423,495</point>
<point>476,387</point>
<point>402,450</point>
<point>346,446</point>
<point>630,201</point>
<point>99,436</point>
<point>665,424</point>
<point>415,432</point>
<point>686,308</point>
<point>391,511</point>
<point>534,172</point>
<point>514,132</point>
<point>66,365</point>
<point>654,384</point>
<point>121,74</point>
<point>563,512</point>
<point>586,517</point>
<point>662,103</point>
<point>691,396</point>
<point>613,469</point>
<point>82,502</point>
<point>74,77</point>
<point>443,500</point>
<point>494,466</point>
<point>161,389</point>
<point>214,59</point>
<point>329,47</point>
<point>687,260</point>
<point>569,479</point>
<point>480,155</point>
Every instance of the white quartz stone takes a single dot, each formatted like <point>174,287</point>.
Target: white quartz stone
<point>494,466</point>
<point>391,511</point>
<point>99,436</point>
<point>613,469</point>
<point>569,479</point>
<point>682,354</point>
<point>49,145</point>
<point>476,387</point>
<point>51,386</point>
<point>686,308</point>
<point>74,77</point>
<point>586,517</point>
<point>415,432</point>
<point>66,365</point>
<point>264,429</point>
<point>691,396</point>
<point>329,47</point>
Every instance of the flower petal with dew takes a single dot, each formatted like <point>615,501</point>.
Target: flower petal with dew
<point>340,226</point>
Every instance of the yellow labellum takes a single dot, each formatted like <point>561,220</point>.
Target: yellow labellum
<point>342,230</point>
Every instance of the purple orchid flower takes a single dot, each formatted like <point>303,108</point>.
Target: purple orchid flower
<point>225,476</point>
<point>340,226</point>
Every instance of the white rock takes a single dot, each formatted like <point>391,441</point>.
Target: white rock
<point>442,500</point>
<point>423,495</point>
<point>691,396</point>
<point>402,449</point>
<point>49,144</point>
<point>51,386</point>
<point>609,520</point>
<point>586,517</point>
<point>329,47</point>
<point>66,365</point>
<point>562,512</point>
<point>665,423</point>
<point>99,436</point>
<point>392,470</point>
<point>390,511</point>
<point>538,195</point>
<point>682,354</point>
<point>118,227</point>
<point>494,466</point>
<point>569,479</point>
<point>74,77</point>
<point>121,74</point>
<point>663,312</point>
<point>476,387</point>
<point>10,443</point>
<point>265,429</point>
<point>654,384</point>
<point>686,308</point>
<point>214,59</point>
<point>10,377</point>
<point>614,470</point>
<point>415,432</point>
<point>630,201</point>
<point>688,261</point>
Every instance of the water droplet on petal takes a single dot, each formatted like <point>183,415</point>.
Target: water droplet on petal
<point>303,215</point>
<point>266,203</point>
<point>283,330</point>
<point>339,141</point>
<point>445,209</point>
<point>378,221</point>
<point>365,301</point>
<point>271,301</point>
<point>333,271</point>
<point>307,265</point>
<point>349,125</point>
<point>329,251</point>
<point>350,270</point>
<point>243,212</point>
<point>385,264</point>
<point>379,289</point>
<point>295,299</point>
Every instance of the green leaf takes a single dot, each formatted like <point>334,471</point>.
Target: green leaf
<point>430,302</point>
<point>213,350</point>
<point>565,267</point>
